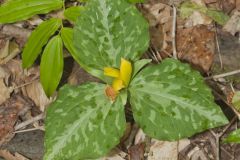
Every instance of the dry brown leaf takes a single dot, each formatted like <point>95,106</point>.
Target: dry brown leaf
<point>197,18</point>
<point>4,48</point>
<point>233,25</point>
<point>35,92</point>
<point>166,150</point>
<point>4,91</point>
<point>136,152</point>
<point>160,17</point>
<point>238,5</point>
<point>12,52</point>
<point>9,156</point>
<point>196,45</point>
<point>228,5</point>
<point>140,137</point>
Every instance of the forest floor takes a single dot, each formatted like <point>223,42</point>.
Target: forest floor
<point>212,49</point>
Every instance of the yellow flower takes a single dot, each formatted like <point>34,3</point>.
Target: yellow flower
<point>121,77</point>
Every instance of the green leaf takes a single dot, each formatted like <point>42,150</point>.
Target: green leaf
<point>109,30</point>
<point>138,65</point>
<point>187,8</point>
<point>38,40</point>
<point>136,1</point>
<point>217,16</point>
<point>67,37</point>
<point>72,13</point>
<point>234,137</point>
<point>171,101</point>
<point>83,123</point>
<point>51,67</point>
<point>236,100</point>
<point>17,10</point>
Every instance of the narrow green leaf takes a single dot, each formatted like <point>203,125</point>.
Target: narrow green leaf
<point>51,66</point>
<point>171,101</point>
<point>17,10</point>
<point>72,13</point>
<point>234,137</point>
<point>138,65</point>
<point>38,39</point>
<point>109,30</point>
<point>67,37</point>
<point>83,123</point>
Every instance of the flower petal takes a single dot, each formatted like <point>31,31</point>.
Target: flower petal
<point>117,84</point>
<point>111,72</point>
<point>125,71</point>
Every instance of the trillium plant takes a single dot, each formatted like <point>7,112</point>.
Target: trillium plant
<point>169,101</point>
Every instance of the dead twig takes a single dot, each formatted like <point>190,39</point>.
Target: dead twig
<point>29,130</point>
<point>174,32</point>
<point>218,48</point>
<point>30,121</point>
<point>223,75</point>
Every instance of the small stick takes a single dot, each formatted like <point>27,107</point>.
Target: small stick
<point>218,48</point>
<point>25,84</point>
<point>30,121</point>
<point>29,130</point>
<point>174,31</point>
<point>223,75</point>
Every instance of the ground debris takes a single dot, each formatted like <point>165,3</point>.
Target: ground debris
<point>9,112</point>
<point>9,156</point>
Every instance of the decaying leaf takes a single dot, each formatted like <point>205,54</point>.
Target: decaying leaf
<point>233,25</point>
<point>197,46</point>
<point>9,156</point>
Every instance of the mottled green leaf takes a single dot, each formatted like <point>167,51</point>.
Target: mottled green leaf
<point>51,67</point>
<point>72,13</point>
<point>187,8</point>
<point>234,137</point>
<point>131,1</point>
<point>38,39</point>
<point>67,37</point>
<point>170,101</point>
<point>138,65</point>
<point>83,123</point>
<point>109,30</point>
<point>17,10</point>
